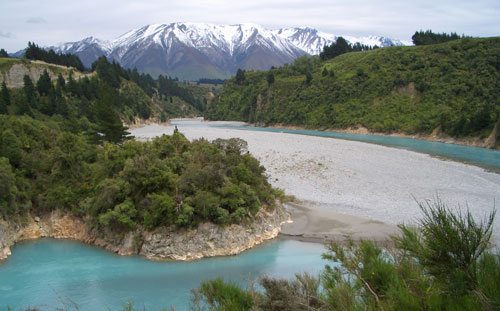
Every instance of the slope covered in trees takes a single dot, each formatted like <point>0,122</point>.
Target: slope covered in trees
<point>452,86</point>
<point>64,147</point>
<point>135,96</point>
<point>168,181</point>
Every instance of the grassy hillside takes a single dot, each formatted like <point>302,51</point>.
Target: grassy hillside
<point>453,86</point>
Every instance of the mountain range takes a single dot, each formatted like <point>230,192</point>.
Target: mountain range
<point>191,51</point>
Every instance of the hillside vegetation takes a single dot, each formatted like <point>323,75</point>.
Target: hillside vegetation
<point>452,86</point>
<point>168,181</point>
<point>137,96</point>
<point>64,146</point>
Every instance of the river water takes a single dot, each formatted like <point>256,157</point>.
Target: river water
<point>50,274</point>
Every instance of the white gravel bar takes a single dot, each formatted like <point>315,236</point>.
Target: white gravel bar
<point>355,178</point>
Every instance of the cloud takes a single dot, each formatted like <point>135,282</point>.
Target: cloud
<point>107,19</point>
<point>36,20</point>
<point>7,35</point>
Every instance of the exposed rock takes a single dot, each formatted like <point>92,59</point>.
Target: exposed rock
<point>163,243</point>
<point>209,240</point>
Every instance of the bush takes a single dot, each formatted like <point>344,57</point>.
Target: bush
<point>441,265</point>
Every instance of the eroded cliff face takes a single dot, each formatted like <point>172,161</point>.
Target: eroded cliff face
<point>166,243</point>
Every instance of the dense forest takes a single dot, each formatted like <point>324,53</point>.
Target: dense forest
<point>442,265</point>
<point>64,146</point>
<point>452,87</point>
<point>164,182</point>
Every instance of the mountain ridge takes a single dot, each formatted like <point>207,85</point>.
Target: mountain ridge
<point>194,50</point>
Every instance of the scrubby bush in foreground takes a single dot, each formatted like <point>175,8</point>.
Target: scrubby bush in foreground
<point>443,264</point>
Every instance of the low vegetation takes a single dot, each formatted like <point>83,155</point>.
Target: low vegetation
<point>441,265</point>
<point>450,86</point>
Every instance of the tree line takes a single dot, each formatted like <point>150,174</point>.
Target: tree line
<point>428,37</point>
<point>35,52</point>
<point>342,46</point>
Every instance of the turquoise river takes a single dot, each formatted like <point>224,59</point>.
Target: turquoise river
<point>50,274</point>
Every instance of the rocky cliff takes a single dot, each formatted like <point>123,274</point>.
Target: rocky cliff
<point>165,243</point>
<point>14,71</point>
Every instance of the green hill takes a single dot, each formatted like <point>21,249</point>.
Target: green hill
<point>137,96</point>
<point>451,87</point>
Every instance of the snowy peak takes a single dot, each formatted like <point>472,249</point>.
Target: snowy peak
<point>202,50</point>
<point>312,41</point>
<point>228,38</point>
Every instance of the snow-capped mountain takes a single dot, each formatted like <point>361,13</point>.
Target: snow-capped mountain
<point>195,50</point>
<point>312,41</point>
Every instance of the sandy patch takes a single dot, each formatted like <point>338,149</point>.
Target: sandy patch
<point>358,179</point>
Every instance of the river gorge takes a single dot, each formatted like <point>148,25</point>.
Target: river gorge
<point>377,185</point>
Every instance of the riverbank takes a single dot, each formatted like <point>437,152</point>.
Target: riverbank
<point>369,181</point>
<point>164,243</point>
<point>489,142</point>
<point>322,226</point>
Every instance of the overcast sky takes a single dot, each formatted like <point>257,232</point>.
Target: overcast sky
<point>49,22</point>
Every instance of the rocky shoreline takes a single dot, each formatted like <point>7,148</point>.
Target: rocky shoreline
<point>166,243</point>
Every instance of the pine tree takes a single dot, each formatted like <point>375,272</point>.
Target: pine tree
<point>109,125</point>
<point>270,78</point>
<point>4,98</point>
<point>240,76</point>
<point>3,53</point>
<point>44,84</point>
<point>308,78</point>
<point>28,89</point>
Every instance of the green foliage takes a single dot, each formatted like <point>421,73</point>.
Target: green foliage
<point>429,37</point>
<point>449,86</point>
<point>240,76</point>
<point>109,126</point>
<point>270,78</point>
<point>225,296</point>
<point>33,51</point>
<point>166,182</point>
<point>450,245</point>
<point>3,53</point>
<point>441,265</point>
<point>4,99</point>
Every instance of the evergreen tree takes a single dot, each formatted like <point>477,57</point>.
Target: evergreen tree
<point>337,48</point>
<point>428,37</point>
<point>308,78</point>
<point>29,89</point>
<point>240,76</point>
<point>61,83</point>
<point>324,73</point>
<point>3,53</point>
<point>72,86</point>
<point>270,78</point>
<point>4,98</point>
<point>44,84</point>
<point>109,125</point>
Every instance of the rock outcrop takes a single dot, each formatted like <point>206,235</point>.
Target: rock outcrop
<point>165,243</point>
